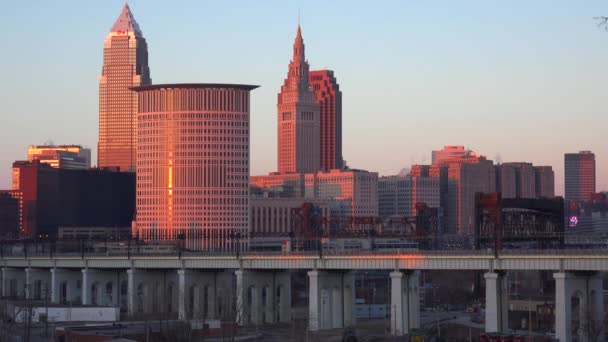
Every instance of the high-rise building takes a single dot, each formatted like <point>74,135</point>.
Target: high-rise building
<point>398,195</point>
<point>462,174</point>
<point>329,97</point>
<point>352,192</point>
<point>61,156</point>
<point>516,180</point>
<point>298,116</point>
<point>52,197</point>
<point>358,187</point>
<point>125,65</point>
<point>579,176</point>
<point>464,181</point>
<point>10,209</point>
<point>193,164</point>
<point>545,181</point>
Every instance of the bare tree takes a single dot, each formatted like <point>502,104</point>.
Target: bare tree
<point>594,327</point>
<point>602,22</point>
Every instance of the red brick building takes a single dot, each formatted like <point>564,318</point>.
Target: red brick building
<point>329,97</point>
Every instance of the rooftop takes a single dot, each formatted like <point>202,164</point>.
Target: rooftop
<point>126,22</point>
<point>168,86</point>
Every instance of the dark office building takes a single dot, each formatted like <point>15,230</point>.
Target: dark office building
<point>55,198</point>
<point>9,213</point>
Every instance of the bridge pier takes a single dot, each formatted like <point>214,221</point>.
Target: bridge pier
<point>405,302</point>
<point>330,300</point>
<point>147,292</point>
<point>36,283</point>
<point>197,294</point>
<point>587,287</point>
<point>64,287</point>
<point>100,287</point>
<point>262,297</point>
<point>496,302</point>
<point>13,282</point>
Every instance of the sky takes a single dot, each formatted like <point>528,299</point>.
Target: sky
<point>513,80</point>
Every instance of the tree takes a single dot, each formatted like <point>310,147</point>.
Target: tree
<point>602,22</point>
<point>594,327</point>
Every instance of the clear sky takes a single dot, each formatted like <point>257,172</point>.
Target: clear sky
<point>518,80</point>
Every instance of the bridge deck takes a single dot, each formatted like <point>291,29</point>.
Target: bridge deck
<point>589,260</point>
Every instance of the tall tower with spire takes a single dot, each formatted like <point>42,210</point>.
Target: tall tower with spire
<point>299,128</point>
<point>125,65</point>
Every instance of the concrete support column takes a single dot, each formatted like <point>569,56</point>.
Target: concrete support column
<point>326,299</point>
<point>405,302</point>
<point>398,313</point>
<point>496,302</point>
<point>588,289</point>
<point>13,282</point>
<point>269,303</point>
<point>314,301</point>
<point>263,297</point>
<point>67,279</point>
<point>36,283</point>
<point>248,298</point>
<point>183,294</point>
<point>134,279</point>
<point>349,294</point>
<point>283,297</point>
<point>414,299</point>
<point>596,303</point>
<point>563,308</point>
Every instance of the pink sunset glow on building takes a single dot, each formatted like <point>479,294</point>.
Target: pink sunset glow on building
<point>193,164</point>
<point>329,97</point>
<point>299,131</point>
<point>125,65</point>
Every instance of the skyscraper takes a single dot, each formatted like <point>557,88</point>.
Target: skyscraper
<point>516,180</point>
<point>298,116</point>
<point>462,173</point>
<point>329,97</point>
<point>545,181</point>
<point>193,164</point>
<point>125,65</point>
<point>579,176</point>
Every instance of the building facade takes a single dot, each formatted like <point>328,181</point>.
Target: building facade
<point>544,181</point>
<point>516,180</point>
<point>464,181</point>
<point>273,216</point>
<point>358,187</point>
<point>298,116</point>
<point>579,176</point>
<point>462,173</point>
<point>193,164</point>
<point>451,153</point>
<point>398,195</point>
<point>329,97</point>
<point>61,156</point>
<point>287,184</point>
<point>352,192</point>
<point>125,65</point>
<point>10,209</point>
<point>52,197</point>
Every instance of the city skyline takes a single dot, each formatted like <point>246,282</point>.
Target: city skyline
<point>406,132</point>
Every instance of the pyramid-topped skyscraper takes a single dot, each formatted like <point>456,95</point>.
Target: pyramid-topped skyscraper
<point>299,130</point>
<point>125,65</point>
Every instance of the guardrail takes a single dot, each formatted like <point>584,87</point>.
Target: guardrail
<point>135,248</point>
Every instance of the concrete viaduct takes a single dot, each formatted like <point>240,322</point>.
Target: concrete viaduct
<point>200,286</point>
